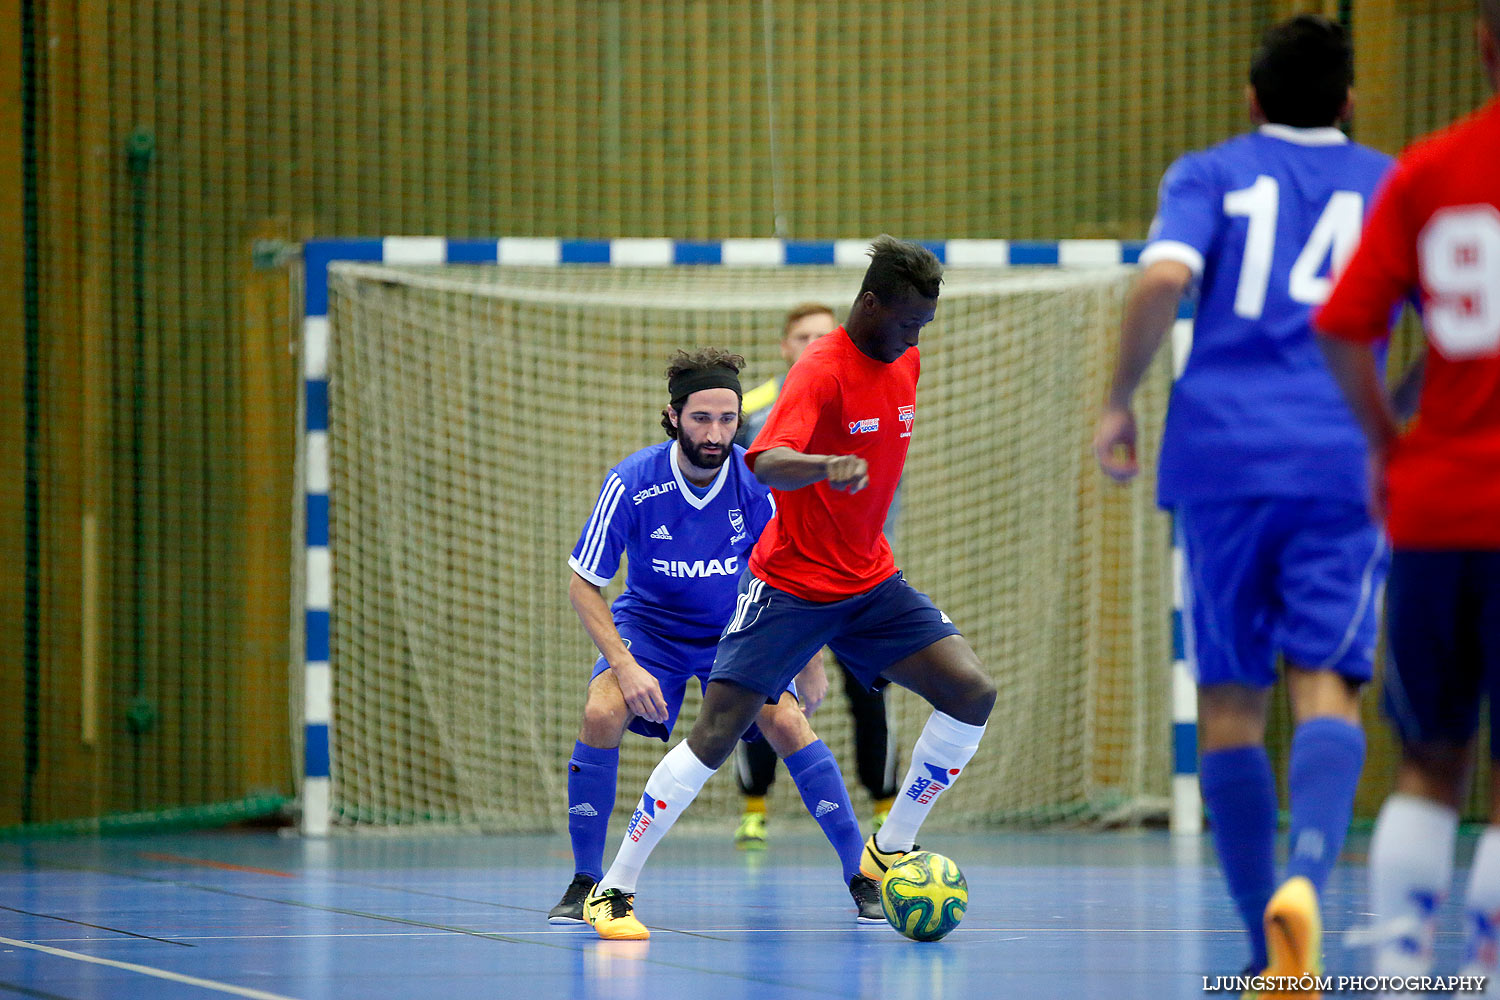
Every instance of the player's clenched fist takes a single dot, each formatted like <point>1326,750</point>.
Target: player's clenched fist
<point>847,472</point>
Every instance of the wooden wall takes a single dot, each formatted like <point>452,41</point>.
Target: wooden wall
<point>167,448</point>
<point>12,416</point>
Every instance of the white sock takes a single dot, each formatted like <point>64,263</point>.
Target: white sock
<point>671,788</point>
<point>1482,908</point>
<point>942,750</point>
<point>1411,866</point>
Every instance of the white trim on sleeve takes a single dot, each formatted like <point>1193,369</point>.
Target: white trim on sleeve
<point>1173,250</point>
<point>591,577</point>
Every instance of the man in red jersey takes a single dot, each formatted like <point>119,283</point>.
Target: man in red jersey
<point>1435,229</point>
<point>822,574</point>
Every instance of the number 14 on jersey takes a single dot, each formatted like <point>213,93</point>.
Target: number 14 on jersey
<point>1333,239</point>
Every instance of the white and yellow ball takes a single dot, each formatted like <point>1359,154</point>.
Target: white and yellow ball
<point>924,895</point>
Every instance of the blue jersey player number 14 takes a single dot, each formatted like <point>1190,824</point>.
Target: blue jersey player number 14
<point>1334,235</point>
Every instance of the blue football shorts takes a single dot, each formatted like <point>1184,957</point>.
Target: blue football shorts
<point>673,661</point>
<point>1443,645</point>
<point>1302,577</point>
<point>773,633</point>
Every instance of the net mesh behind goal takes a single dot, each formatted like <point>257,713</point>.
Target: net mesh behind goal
<point>475,410</point>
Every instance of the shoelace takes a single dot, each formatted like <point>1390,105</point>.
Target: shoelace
<point>578,891</point>
<point>865,890</point>
<point>619,904</point>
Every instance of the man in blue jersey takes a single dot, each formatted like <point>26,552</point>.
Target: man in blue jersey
<point>1263,466</point>
<point>686,512</point>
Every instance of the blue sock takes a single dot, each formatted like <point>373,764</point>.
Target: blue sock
<point>591,798</point>
<point>817,776</point>
<point>1240,793</point>
<point>1327,755</point>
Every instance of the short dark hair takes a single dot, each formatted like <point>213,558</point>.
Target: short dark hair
<point>1302,72</point>
<point>900,267</point>
<point>698,360</point>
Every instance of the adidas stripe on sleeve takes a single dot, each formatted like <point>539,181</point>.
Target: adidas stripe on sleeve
<point>596,557</point>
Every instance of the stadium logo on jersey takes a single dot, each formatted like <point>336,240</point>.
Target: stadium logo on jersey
<point>737,520</point>
<point>907,415</point>
<point>712,567</point>
<point>662,533</point>
<point>644,816</point>
<point>864,426</point>
<point>925,789</point>
<point>654,490</point>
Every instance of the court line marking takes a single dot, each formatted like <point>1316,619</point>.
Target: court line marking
<point>146,970</point>
<point>407,890</point>
<point>223,866</point>
<point>565,941</point>
<point>322,908</point>
<point>97,927</point>
<point>27,991</point>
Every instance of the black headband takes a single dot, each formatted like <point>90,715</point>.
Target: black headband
<point>684,385</point>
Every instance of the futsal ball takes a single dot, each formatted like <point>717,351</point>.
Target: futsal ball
<point>924,895</point>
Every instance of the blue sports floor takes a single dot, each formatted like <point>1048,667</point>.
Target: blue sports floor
<point>1066,915</point>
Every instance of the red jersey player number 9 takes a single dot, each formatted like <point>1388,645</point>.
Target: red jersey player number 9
<point>1460,258</point>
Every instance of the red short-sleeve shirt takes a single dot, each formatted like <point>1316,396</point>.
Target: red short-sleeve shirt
<point>1435,227</point>
<point>826,544</point>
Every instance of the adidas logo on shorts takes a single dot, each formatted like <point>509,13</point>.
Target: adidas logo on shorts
<point>662,533</point>
<point>583,809</point>
<point>824,808</point>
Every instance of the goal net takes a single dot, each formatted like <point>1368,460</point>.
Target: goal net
<point>474,411</point>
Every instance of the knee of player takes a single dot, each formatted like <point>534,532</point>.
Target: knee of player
<point>970,704</point>
<point>972,699</point>
<point>982,697</point>
<point>975,691</point>
<point>1435,771</point>
<point>785,728</point>
<point>604,722</point>
<point>711,744</point>
<point>1232,715</point>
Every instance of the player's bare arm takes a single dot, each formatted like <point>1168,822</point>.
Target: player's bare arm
<point>1353,367</point>
<point>1149,312</point>
<point>786,469</point>
<point>642,693</point>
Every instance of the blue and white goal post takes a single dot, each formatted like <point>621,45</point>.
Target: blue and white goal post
<point>319,254</point>
<point>1186,817</point>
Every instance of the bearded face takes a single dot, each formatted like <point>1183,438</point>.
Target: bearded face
<point>706,427</point>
